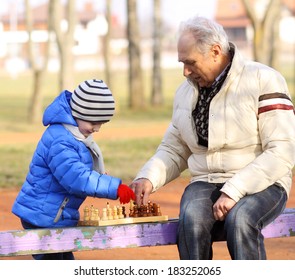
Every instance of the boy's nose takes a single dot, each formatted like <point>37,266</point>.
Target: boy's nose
<point>96,128</point>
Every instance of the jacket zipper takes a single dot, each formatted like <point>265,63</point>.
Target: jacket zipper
<point>60,210</point>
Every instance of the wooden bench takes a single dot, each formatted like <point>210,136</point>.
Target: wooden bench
<point>27,242</point>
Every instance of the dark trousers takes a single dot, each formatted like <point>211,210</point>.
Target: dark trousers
<point>49,256</point>
<point>242,226</point>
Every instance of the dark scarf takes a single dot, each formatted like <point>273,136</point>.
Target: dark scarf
<point>201,112</point>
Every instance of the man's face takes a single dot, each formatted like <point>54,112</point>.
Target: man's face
<point>200,69</point>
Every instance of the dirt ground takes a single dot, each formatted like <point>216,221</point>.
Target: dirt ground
<point>168,197</point>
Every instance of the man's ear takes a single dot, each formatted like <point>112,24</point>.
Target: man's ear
<point>216,50</point>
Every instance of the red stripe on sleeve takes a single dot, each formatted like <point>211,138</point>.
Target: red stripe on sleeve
<point>274,107</point>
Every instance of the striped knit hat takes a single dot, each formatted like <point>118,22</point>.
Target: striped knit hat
<point>92,101</point>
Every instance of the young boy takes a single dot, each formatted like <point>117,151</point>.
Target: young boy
<point>67,165</point>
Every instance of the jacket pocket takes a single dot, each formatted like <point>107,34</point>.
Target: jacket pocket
<point>61,209</point>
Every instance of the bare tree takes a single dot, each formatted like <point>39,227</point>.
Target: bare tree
<point>266,36</point>
<point>64,28</point>
<point>106,44</point>
<point>157,94</point>
<point>136,89</point>
<point>38,65</point>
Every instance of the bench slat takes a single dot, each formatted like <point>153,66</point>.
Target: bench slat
<point>27,242</point>
<point>282,226</point>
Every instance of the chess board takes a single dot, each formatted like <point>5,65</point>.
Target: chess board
<point>116,215</point>
<point>124,221</point>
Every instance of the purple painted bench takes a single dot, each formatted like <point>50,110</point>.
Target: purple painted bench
<point>27,242</point>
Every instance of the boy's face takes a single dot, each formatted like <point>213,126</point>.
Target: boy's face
<point>87,128</point>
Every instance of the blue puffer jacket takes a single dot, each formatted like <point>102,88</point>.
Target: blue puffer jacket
<point>60,175</point>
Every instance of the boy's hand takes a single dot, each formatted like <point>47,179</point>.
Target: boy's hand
<point>125,194</point>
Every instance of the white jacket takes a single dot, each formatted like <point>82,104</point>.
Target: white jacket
<point>251,134</point>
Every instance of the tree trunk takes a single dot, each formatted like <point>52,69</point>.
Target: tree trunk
<point>106,45</point>
<point>157,94</point>
<point>35,104</point>
<point>64,40</point>
<point>266,36</point>
<point>38,69</point>
<point>136,89</point>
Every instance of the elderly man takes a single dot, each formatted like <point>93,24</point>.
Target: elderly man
<point>233,127</point>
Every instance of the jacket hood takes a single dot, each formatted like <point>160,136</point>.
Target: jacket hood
<point>59,111</point>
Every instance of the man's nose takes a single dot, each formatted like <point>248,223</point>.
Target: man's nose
<point>186,71</point>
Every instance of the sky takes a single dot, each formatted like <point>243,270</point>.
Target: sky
<point>174,11</point>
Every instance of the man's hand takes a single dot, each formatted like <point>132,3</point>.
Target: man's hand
<point>142,189</point>
<point>222,206</point>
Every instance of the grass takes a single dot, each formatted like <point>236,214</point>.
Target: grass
<point>123,157</point>
<point>15,93</point>
<point>14,164</point>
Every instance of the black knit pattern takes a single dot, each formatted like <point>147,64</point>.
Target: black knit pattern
<point>201,112</point>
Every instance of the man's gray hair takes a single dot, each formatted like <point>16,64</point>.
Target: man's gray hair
<point>206,33</point>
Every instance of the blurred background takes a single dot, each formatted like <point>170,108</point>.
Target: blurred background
<point>49,46</point>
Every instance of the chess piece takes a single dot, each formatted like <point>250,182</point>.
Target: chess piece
<point>86,216</point>
<point>149,209</point>
<point>140,211</point>
<point>144,211</point>
<point>115,212</point>
<point>158,212</point>
<point>110,214</point>
<point>97,218</point>
<point>92,215</point>
<point>135,211</point>
<point>124,212</point>
<point>154,209</point>
<point>131,204</point>
<point>131,213</point>
<point>104,214</point>
<point>120,213</point>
